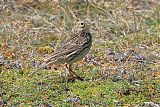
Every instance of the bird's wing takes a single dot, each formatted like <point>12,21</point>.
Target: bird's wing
<point>69,47</point>
<point>73,38</point>
<point>58,54</point>
<point>61,53</point>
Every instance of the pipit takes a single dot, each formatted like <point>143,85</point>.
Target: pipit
<point>73,49</point>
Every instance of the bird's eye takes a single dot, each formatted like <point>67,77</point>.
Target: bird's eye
<point>82,23</point>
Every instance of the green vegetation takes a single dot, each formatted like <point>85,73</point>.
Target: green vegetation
<point>121,70</point>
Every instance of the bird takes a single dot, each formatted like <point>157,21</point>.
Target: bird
<point>72,49</point>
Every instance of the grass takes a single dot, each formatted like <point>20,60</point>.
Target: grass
<point>22,90</point>
<point>122,68</point>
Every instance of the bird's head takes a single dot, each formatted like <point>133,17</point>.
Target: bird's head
<point>85,24</point>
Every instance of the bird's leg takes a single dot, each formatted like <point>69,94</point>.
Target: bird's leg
<point>70,73</point>
<point>70,70</point>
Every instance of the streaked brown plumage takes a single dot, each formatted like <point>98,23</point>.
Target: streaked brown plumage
<point>72,49</point>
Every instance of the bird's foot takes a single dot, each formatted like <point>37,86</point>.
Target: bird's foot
<point>80,78</point>
<point>70,78</point>
<point>73,78</point>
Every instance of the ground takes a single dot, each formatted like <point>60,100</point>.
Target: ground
<point>121,70</point>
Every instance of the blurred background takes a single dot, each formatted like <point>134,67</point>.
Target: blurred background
<point>126,47</point>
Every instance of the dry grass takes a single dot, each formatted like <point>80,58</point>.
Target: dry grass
<point>122,67</point>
